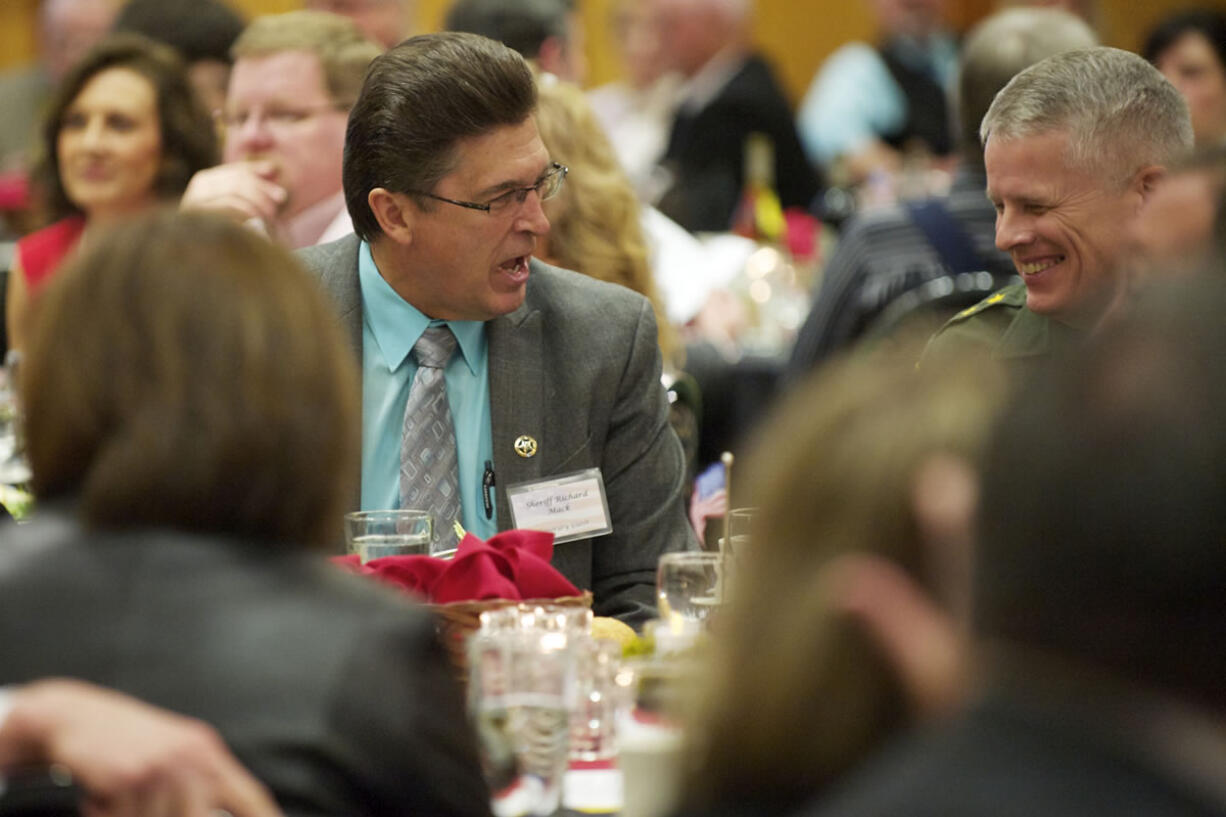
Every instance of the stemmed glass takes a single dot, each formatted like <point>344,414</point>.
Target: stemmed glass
<point>13,468</point>
<point>690,586</point>
<point>521,692</point>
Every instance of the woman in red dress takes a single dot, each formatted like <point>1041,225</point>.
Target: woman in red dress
<point>123,133</point>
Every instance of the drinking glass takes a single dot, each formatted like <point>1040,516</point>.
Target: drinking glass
<point>374,534</point>
<point>521,692</point>
<point>740,525</point>
<point>690,586</point>
<point>649,731</point>
<point>598,699</point>
<point>13,468</point>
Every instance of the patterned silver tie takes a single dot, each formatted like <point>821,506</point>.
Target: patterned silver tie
<point>429,467</point>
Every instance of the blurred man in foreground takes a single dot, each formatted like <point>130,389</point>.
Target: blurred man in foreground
<point>1098,590</point>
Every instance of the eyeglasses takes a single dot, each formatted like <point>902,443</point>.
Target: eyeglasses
<point>277,119</point>
<point>546,187</point>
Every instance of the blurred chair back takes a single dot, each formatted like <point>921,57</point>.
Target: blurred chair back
<point>929,305</point>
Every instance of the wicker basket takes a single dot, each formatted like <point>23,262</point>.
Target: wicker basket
<point>458,619</point>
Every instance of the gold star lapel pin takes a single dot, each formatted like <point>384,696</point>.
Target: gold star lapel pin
<point>525,446</point>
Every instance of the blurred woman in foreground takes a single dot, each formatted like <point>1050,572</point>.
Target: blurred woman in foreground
<point>191,427</point>
<point>842,629</point>
<point>123,132</point>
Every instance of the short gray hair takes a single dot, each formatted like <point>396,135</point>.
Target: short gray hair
<point>1001,46</point>
<point>1120,113</point>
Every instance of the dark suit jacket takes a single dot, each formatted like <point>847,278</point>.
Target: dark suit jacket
<point>330,690</point>
<point>706,151</point>
<point>576,367</point>
<point>1015,757</point>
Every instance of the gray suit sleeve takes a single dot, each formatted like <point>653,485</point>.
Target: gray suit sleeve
<point>644,474</point>
<point>405,727</point>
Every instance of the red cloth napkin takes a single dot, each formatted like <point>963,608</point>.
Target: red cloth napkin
<point>513,564</point>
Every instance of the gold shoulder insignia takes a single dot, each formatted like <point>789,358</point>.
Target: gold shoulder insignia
<point>991,300</point>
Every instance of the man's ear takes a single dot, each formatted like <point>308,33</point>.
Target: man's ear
<point>395,213</point>
<point>1147,179</point>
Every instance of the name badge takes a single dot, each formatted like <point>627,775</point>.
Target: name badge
<point>571,506</point>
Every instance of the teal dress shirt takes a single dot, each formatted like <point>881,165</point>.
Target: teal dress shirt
<point>390,327</point>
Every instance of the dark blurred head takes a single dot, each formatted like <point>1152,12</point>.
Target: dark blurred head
<point>1001,46</point>
<point>419,100</point>
<point>1189,48</point>
<point>188,138</point>
<point>202,31</point>
<point>184,372</point>
<point>519,24</point>
<point>1102,521</point>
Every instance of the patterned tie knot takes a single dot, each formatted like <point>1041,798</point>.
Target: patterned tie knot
<point>435,347</point>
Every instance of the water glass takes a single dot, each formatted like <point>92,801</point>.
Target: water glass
<point>572,619</point>
<point>598,700</point>
<point>740,526</point>
<point>374,534</point>
<point>649,733</point>
<point>690,587</point>
<point>521,691</point>
<point>13,467</point>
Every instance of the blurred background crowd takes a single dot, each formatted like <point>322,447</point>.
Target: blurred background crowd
<point>851,109</point>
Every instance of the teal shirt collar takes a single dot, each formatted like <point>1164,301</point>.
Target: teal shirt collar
<point>397,324</point>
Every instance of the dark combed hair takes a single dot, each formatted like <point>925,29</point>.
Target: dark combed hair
<point>1102,520</point>
<point>184,372</point>
<point>189,140</point>
<point>1210,23</point>
<point>519,24</point>
<point>418,101</point>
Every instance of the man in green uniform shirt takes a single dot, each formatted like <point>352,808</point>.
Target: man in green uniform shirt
<point>1073,147</point>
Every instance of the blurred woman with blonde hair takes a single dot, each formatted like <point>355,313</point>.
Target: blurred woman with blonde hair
<point>843,629</point>
<point>595,219</point>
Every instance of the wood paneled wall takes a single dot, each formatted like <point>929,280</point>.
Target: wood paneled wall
<point>796,34</point>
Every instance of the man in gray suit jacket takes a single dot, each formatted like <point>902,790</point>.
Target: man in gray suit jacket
<point>555,372</point>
